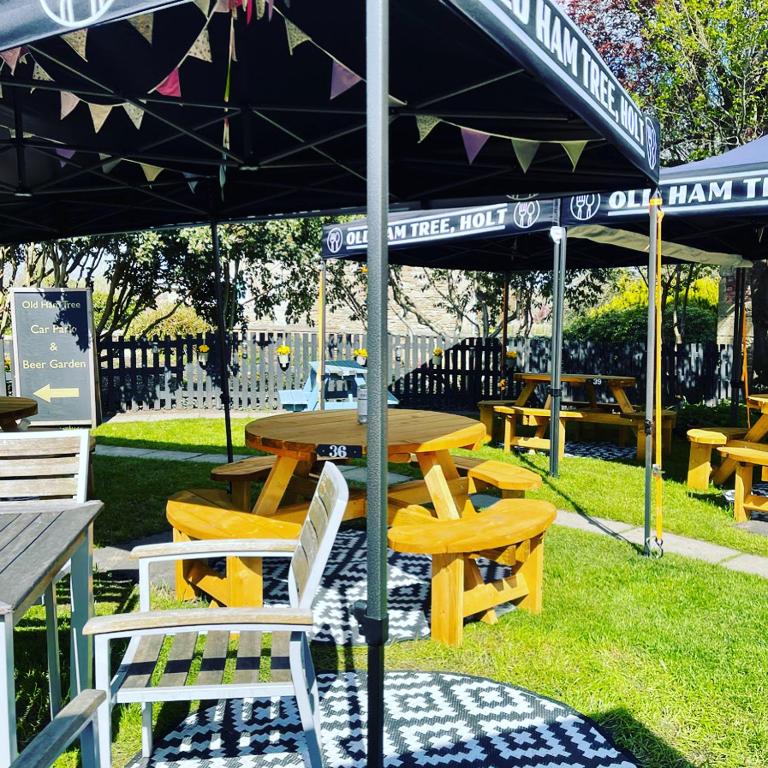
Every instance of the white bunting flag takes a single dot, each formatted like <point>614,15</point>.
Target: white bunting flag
<point>574,149</point>
<point>204,6</point>
<point>144,25</point>
<point>99,113</point>
<point>68,102</point>
<point>525,151</point>
<point>136,114</point>
<point>201,48</point>
<point>77,41</point>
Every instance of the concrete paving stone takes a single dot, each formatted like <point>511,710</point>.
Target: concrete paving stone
<point>757,525</point>
<point>696,549</point>
<point>748,564</point>
<point>117,560</point>
<point>170,455</point>
<point>212,458</point>
<point>121,450</point>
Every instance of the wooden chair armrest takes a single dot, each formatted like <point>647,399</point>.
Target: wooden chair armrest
<point>283,618</point>
<point>188,550</point>
<point>61,731</point>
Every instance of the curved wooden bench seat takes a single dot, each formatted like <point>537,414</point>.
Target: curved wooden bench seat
<point>510,533</point>
<point>700,457</point>
<point>511,480</point>
<point>209,513</point>
<point>241,475</point>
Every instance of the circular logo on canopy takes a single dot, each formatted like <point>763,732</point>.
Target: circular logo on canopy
<point>75,13</point>
<point>335,240</point>
<point>651,143</point>
<point>584,207</point>
<point>527,214</point>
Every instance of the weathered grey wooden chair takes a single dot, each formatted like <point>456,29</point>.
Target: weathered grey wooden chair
<point>76,719</point>
<point>157,665</point>
<point>37,468</point>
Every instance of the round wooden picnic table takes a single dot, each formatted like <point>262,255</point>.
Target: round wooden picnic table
<point>12,409</point>
<point>299,439</point>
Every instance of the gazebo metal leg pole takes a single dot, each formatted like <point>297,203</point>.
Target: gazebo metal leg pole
<point>321,339</point>
<point>221,332</point>
<point>375,623</point>
<point>650,347</point>
<point>504,324</point>
<point>555,390</point>
<point>738,330</point>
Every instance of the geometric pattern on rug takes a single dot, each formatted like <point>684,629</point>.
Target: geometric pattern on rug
<point>431,719</point>
<point>758,489</point>
<point>345,582</point>
<point>605,451</point>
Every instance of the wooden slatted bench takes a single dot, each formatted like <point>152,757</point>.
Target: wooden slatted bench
<point>703,441</point>
<point>511,533</point>
<point>747,456</point>
<point>668,421</point>
<point>241,475</point>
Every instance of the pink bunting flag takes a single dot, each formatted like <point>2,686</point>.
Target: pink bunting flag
<point>11,57</point>
<point>474,141</point>
<point>271,8</point>
<point>171,86</point>
<point>64,153</point>
<point>342,79</point>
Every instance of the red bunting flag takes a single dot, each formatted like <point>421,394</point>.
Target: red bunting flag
<point>342,79</point>
<point>474,141</point>
<point>11,57</point>
<point>171,86</point>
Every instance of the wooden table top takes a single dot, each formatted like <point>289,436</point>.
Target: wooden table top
<point>17,408</point>
<point>35,543</point>
<point>579,378</point>
<point>408,432</point>
<point>759,401</point>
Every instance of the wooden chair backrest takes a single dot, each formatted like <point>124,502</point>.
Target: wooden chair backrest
<point>318,533</point>
<point>44,466</point>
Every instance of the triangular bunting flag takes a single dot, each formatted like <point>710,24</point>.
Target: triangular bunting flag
<point>108,166</point>
<point>271,6</point>
<point>203,5</point>
<point>77,40</point>
<point>144,25</point>
<point>222,6</point>
<point>191,181</point>
<point>136,114</point>
<point>68,102</point>
<point>525,151</point>
<point>295,36</point>
<point>99,113</point>
<point>232,48</point>
<point>342,79</point>
<point>38,73</point>
<point>151,171</point>
<point>11,57</point>
<point>171,86</point>
<point>474,141</point>
<point>67,154</point>
<point>425,124</point>
<point>574,149</point>
<point>261,7</point>
<point>201,48</point>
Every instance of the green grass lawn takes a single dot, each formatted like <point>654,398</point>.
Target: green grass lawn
<point>666,655</point>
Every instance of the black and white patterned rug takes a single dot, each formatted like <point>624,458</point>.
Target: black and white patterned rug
<point>605,451</point>
<point>345,582</point>
<point>431,720</point>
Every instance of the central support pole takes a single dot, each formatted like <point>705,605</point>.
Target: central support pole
<point>221,332</point>
<point>555,389</point>
<point>377,115</point>
<point>321,339</point>
<point>737,363</point>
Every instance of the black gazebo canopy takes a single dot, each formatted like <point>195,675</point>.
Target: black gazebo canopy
<point>205,112</point>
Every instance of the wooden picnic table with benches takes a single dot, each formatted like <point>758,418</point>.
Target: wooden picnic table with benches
<point>13,409</point>
<point>619,413</point>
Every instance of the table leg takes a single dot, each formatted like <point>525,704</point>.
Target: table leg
<point>52,644</point>
<point>9,425</point>
<point>447,624</point>
<point>81,654</point>
<point>275,486</point>
<point>526,392</point>
<point>431,465</point>
<point>8,749</point>
<point>81,651</point>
